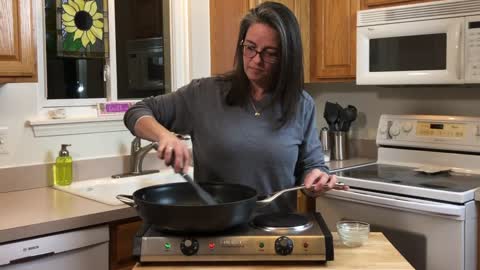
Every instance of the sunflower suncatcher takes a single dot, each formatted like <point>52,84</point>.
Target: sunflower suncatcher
<point>83,19</point>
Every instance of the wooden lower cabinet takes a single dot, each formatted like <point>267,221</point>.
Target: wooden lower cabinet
<point>121,243</point>
<point>305,204</point>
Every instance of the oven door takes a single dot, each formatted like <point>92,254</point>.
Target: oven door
<point>424,52</point>
<point>430,235</point>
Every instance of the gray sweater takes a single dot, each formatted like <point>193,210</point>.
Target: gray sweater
<point>231,144</point>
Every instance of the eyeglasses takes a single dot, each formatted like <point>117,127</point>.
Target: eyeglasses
<point>267,56</point>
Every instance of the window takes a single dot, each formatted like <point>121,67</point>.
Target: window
<point>105,50</point>
<point>93,73</point>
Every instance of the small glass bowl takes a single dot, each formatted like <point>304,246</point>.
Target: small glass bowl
<point>353,233</point>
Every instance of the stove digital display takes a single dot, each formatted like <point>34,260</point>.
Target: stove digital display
<point>436,126</point>
<point>444,130</point>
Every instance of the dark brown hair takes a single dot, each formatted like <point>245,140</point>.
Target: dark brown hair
<point>288,80</point>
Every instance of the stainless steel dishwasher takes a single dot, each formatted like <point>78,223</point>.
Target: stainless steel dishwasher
<point>74,250</point>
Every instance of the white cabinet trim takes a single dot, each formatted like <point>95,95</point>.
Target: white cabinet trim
<point>56,127</point>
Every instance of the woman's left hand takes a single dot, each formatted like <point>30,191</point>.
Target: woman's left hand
<point>316,182</point>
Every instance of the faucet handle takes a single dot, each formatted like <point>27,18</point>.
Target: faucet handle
<point>135,145</point>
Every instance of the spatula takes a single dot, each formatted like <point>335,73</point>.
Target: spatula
<point>202,194</point>
<point>331,115</point>
<point>205,196</point>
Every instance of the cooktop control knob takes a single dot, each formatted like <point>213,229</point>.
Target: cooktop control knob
<point>283,245</point>
<point>189,247</point>
<point>407,127</point>
<point>394,131</point>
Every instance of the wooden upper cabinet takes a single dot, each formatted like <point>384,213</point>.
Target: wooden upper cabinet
<point>225,17</point>
<point>333,34</point>
<point>301,9</point>
<point>17,42</point>
<point>367,4</point>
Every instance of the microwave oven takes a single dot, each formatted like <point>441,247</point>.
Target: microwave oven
<point>430,43</point>
<point>146,67</point>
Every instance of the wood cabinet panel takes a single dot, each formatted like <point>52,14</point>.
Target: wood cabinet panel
<point>301,9</point>
<point>225,17</point>
<point>8,28</point>
<point>367,4</point>
<point>17,47</point>
<point>333,35</point>
<point>122,234</point>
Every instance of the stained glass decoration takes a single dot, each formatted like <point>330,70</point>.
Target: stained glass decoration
<point>82,28</point>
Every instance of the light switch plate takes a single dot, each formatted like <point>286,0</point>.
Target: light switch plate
<point>3,140</point>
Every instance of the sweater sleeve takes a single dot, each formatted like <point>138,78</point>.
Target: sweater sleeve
<point>310,150</point>
<point>171,110</point>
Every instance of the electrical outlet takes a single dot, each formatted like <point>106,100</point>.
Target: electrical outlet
<point>3,140</point>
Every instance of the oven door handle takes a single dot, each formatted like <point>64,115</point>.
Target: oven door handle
<point>395,202</point>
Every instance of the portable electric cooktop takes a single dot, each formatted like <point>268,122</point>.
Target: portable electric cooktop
<point>268,237</point>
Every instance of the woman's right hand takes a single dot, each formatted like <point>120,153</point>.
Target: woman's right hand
<point>174,152</point>
<point>170,148</point>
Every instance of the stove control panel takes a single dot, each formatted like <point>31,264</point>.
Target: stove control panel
<point>455,133</point>
<point>223,248</point>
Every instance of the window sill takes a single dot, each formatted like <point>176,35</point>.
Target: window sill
<point>72,126</point>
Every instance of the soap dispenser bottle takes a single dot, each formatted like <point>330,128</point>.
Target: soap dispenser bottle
<point>62,170</point>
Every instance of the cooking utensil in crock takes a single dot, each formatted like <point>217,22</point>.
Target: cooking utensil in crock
<point>351,115</point>
<point>331,115</point>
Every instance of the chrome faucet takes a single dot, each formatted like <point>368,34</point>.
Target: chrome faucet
<point>137,154</point>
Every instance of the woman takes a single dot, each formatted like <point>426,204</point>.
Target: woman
<point>254,126</point>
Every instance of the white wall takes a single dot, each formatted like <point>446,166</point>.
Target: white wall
<point>372,101</point>
<point>18,103</point>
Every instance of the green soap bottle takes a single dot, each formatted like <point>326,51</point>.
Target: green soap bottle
<point>62,170</point>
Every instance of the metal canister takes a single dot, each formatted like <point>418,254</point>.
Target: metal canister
<point>325,141</point>
<point>339,145</point>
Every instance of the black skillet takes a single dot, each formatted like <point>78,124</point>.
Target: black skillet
<point>177,207</point>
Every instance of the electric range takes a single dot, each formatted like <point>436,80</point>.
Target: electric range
<point>421,191</point>
<point>268,237</point>
<point>423,156</point>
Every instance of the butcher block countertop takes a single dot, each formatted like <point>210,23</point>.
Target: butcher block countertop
<point>378,253</point>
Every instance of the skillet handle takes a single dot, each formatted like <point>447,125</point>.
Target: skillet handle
<point>126,199</point>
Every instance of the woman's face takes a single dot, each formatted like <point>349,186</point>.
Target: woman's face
<point>260,68</point>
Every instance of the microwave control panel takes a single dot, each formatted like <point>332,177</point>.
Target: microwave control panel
<point>472,49</point>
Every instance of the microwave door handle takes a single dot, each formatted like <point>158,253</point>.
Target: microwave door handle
<point>459,52</point>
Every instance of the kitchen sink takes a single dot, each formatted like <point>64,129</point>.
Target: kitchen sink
<point>106,189</point>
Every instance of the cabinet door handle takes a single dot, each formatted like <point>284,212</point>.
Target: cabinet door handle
<point>31,258</point>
